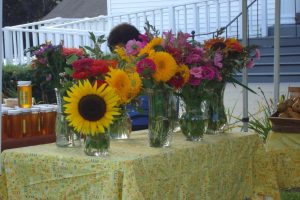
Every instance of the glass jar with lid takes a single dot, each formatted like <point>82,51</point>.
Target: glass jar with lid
<point>15,123</point>
<point>26,120</point>
<point>35,121</point>
<point>47,120</point>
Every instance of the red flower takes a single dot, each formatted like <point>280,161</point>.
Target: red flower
<point>81,74</point>
<point>176,81</point>
<point>82,63</point>
<point>70,51</point>
<point>100,82</point>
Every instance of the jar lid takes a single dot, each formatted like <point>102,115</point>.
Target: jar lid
<point>4,110</point>
<point>25,110</point>
<point>46,109</point>
<point>14,112</point>
<point>24,83</point>
<point>294,89</point>
<point>35,109</point>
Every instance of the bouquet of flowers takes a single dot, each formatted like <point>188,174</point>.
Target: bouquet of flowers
<point>227,57</point>
<point>49,65</point>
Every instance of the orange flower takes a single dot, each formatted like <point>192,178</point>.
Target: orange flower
<point>233,44</point>
<point>214,43</point>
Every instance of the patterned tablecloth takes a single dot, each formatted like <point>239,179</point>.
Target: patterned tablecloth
<point>284,150</point>
<point>225,167</point>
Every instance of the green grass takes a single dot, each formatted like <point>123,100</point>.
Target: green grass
<point>293,194</point>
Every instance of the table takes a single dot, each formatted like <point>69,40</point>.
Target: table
<point>223,166</point>
<point>284,150</point>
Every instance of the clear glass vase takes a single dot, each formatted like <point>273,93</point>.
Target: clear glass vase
<point>217,120</point>
<point>97,145</point>
<point>161,122</point>
<point>122,126</point>
<point>193,121</point>
<point>65,136</point>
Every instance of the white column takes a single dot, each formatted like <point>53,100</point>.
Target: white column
<point>1,64</point>
<point>245,71</point>
<point>288,12</point>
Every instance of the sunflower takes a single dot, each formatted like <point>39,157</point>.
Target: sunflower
<point>90,110</point>
<point>126,84</point>
<point>184,71</point>
<point>166,66</point>
<point>150,46</point>
<point>120,51</point>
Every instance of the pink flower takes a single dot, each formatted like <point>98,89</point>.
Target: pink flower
<point>69,51</point>
<point>217,60</point>
<point>133,47</point>
<point>250,64</point>
<point>208,73</point>
<point>144,39</point>
<point>49,77</point>
<point>194,81</point>
<point>257,54</point>
<point>192,58</point>
<point>145,67</point>
<point>196,72</point>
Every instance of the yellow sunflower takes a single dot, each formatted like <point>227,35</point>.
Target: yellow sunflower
<point>150,46</point>
<point>126,84</point>
<point>166,66</point>
<point>90,110</point>
<point>120,51</point>
<point>184,71</point>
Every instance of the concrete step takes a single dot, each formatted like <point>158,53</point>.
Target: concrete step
<point>269,68</point>
<point>269,41</point>
<point>269,78</point>
<point>283,50</point>
<point>284,58</point>
<point>286,30</point>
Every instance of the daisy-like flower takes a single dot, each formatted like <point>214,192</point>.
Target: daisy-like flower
<point>165,64</point>
<point>126,85</point>
<point>218,59</point>
<point>90,109</point>
<point>196,72</point>
<point>133,47</point>
<point>150,46</point>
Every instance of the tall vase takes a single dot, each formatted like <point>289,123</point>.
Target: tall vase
<point>97,145</point>
<point>122,126</point>
<point>194,120</point>
<point>65,136</point>
<point>160,123</point>
<point>217,121</point>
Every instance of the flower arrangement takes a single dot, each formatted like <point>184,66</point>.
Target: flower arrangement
<point>49,65</point>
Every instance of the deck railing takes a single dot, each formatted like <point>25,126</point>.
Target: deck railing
<point>201,16</point>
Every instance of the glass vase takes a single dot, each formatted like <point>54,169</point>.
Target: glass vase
<point>161,122</point>
<point>193,121</point>
<point>217,120</point>
<point>65,136</point>
<point>122,126</point>
<point>97,145</point>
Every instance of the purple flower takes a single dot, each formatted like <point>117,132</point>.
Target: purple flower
<point>250,64</point>
<point>144,39</point>
<point>49,77</point>
<point>217,60</point>
<point>196,72</point>
<point>133,47</point>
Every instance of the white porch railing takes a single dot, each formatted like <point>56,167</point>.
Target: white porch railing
<point>199,16</point>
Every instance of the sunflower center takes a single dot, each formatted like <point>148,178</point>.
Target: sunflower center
<point>92,107</point>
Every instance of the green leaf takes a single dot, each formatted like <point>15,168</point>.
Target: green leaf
<point>72,59</point>
<point>233,80</point>
<point>68,71</point>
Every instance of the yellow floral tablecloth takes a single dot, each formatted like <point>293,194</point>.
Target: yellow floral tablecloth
<point>284,150</point>
<point>222,167</point>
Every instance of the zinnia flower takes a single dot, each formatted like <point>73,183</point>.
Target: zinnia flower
<point>196,72</point>
<point>165,66</point>
<point>208,73</point>
<point>145,67</point>
<point>82,63</point>
<point>250,64</point>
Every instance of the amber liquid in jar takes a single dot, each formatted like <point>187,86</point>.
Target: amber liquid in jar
<point>4,126</point>
<point>35,121</point>
<point>48,117</point>
<point>24,94</point>
<point>15,124</point>
<point>26,120</point>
